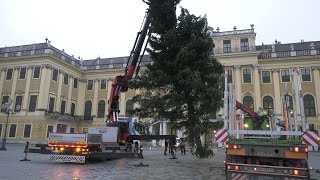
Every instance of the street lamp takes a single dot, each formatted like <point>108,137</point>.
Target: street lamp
<point>6,110</point>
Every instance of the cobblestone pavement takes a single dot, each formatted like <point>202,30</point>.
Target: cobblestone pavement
<point>160,167</point>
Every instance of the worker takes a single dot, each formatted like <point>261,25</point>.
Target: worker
<point>172,144</point>
<point>136,147</point>
<point>141,152</point>
<point>182,147</point>
<point>165,147</point>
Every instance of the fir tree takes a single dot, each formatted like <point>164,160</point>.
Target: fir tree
<point>184,84</point>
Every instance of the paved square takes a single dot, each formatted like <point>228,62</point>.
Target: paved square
<point>186,167</point>
<point>160,167</point>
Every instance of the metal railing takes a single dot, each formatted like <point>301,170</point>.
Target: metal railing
<point>304,53</point>
<point>283,54</point>
<point>234,50</point>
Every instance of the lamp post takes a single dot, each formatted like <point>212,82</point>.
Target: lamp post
<point>6,110</point>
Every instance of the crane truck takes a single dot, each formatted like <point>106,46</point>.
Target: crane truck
<point>266,157</point>
<point>112,141</point>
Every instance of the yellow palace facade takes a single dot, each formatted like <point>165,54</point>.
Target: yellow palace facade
<point>44,89</point>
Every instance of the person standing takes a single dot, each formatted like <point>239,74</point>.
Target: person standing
<point>182,146</point>
<point>141,152</point>
<point>165,147</point>
<point>136,147</point>
<point>172,144</point>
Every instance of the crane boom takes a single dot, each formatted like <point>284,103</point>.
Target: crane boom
<point>257,119</point>
<point>120,83</point>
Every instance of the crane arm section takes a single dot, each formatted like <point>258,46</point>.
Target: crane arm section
<point>246,109</point>
<point>257,119</point>
<point>120,83</point>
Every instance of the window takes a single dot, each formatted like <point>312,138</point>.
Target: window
<point>309,105</point>
<point>27,131</point>
<point>51,104</point>
<point>285,77</point>
<point>55,75</point>
<point>71,130</point>
<point>63,107</point>
<point>36,72</point>
<point>129,107</point>
<point>248,101</point>
<point>268,104</point>
<point>101,108</point>
<point>311,127</point>
<point>229,71</point>
<point>244,44</point>
<point>246,75</point>
<point>226,46</point>
<point>89,84</point>
<point>50,130</point>
<point>65,79</point>
<point>73,108</point>
<point>12,131</point>
<point>103,84</point>
<point>0,130</point>
<point>5,99</point>
<point>266,77</point>
<point>33,103</point>
<point>9,74</point>
<point>22,74</point>
<point>75,83</point>
<point>87,110</point>
<point>17,107</point>
<point>305,74</point>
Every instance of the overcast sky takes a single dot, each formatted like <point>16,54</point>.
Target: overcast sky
<point>107,28</point>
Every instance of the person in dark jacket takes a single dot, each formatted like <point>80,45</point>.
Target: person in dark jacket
<point>165,147</point>
<point>182,147</point>
<point>136,147</point>
<point>172,144</point>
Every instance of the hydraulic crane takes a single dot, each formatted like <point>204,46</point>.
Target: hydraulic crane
<point>120,83</point>
<point>257,120</point>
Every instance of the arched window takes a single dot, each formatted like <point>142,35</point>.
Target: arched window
<point>101,108</point>
<point>268,104</point>
<point>309,105</point>
<point>129,107</point>
<point>248,101</point>
<point>87,110</point>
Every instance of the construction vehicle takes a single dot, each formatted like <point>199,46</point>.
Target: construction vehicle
<point>266,159</point>
<point>260,150</point>
<point>114,141</point>
<point>98,143</point>
<point>123,134</point>
<point>265,154</point>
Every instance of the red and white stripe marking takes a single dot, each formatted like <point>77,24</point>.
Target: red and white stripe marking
<point>310,138</point>
<point>238,176</point>
<point>222,135</point>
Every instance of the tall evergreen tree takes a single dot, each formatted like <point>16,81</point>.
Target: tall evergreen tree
<point>184,84</point>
